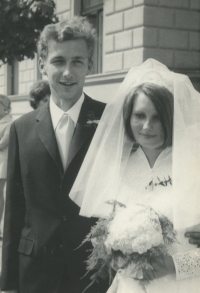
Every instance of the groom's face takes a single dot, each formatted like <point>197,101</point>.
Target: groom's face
<point>66,66</point>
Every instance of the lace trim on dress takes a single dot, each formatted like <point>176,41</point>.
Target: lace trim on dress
<point>187,264</point>
<point>140,177</point>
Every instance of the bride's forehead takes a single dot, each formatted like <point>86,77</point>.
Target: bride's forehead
<point>143,102</point>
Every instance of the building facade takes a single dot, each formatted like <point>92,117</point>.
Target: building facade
<point>128,33</point>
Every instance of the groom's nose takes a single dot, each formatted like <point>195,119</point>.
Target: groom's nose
<point>68,70</point>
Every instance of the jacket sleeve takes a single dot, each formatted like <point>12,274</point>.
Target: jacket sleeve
<point>14,216</point>
<point>5,138</point>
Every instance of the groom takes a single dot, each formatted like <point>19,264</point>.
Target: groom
<point>43,229</point>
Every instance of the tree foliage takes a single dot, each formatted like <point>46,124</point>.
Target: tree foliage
<point>21,22</point>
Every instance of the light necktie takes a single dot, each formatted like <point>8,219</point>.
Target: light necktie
<point>64,133</point>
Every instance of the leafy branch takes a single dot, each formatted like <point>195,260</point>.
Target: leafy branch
<point>21,22</point>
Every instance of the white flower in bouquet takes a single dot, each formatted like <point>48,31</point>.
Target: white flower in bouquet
<point>134,229</point>
<point>128,240</point>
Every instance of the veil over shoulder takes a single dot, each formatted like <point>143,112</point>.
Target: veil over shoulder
<point>101,173</point>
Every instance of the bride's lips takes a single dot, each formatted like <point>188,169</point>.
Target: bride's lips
<point>148,135</point>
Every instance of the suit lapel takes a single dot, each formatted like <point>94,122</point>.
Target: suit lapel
<point>82,131</point>
<point>47,135</point>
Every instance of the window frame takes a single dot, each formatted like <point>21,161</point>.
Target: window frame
<point>94,13</point>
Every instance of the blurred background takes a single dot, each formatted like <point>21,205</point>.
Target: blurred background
<point>128,32</point>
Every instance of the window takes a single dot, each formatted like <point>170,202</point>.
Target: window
<point>93,9</point>
<point>13,78</point>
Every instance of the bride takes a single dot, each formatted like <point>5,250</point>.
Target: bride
<point>147,150</point>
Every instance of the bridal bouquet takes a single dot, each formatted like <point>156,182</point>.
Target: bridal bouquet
<point>127,240</point>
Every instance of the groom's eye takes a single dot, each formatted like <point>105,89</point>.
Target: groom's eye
<point>57,61</point>
<point>77,61</point>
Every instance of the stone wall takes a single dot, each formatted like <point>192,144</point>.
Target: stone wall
<point>64,8</point>
<point>167,30</point>
<point>134,30</point>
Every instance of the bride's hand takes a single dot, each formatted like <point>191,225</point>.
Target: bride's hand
<point>193,233</point>
<point>161,267</point>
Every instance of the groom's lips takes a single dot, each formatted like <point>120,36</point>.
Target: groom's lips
<point>67,84</point>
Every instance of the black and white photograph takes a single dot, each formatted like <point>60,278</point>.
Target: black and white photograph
<point>99,146</point>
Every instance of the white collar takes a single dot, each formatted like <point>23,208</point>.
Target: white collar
<point>73,112</point>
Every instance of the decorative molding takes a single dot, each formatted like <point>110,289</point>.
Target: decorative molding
<point>21,98</point>
<point>105,78</point>
<point>189,73</point>
<point>108,78</point>
<point>116,77</point>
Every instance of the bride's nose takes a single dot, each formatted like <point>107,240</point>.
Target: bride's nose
<point>147,126</point>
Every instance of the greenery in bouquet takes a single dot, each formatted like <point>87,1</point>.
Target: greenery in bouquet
<point>128,240</point>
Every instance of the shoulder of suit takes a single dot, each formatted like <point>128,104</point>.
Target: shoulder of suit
<point>28,117</point>
<point>97,106</point>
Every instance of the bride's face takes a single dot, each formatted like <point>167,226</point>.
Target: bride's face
<point>145,123</point>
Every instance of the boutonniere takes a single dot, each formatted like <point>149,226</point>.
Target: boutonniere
<point>92,121</point>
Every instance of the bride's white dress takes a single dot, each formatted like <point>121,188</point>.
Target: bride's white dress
<point>152,187</point>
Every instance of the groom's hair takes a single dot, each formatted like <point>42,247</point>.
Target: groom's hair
<point>70,29</point>
<point>163,101</point>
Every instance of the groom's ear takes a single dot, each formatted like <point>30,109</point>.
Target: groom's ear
<point>90,65</point>
<point>41,65</point>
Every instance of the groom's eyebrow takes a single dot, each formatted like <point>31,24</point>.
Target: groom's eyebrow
<point>57,57</point>
<point>77,57</point>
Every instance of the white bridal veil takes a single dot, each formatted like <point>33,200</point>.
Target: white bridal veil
<point>101,173</point>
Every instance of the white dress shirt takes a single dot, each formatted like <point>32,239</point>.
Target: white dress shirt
<point>56,116</point>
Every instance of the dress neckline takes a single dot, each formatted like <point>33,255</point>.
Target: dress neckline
<point>164,154</point>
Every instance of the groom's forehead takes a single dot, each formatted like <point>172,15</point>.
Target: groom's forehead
<point>56,46</point>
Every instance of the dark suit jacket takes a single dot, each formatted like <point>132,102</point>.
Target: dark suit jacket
<point>41,222</point>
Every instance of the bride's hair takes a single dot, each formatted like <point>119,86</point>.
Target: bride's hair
<point>163,102</point>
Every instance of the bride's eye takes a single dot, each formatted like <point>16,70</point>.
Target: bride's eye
<point>156,118</point>
<point>139,115</point>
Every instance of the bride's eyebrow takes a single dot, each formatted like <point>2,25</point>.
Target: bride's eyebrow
<point>138,111</point>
